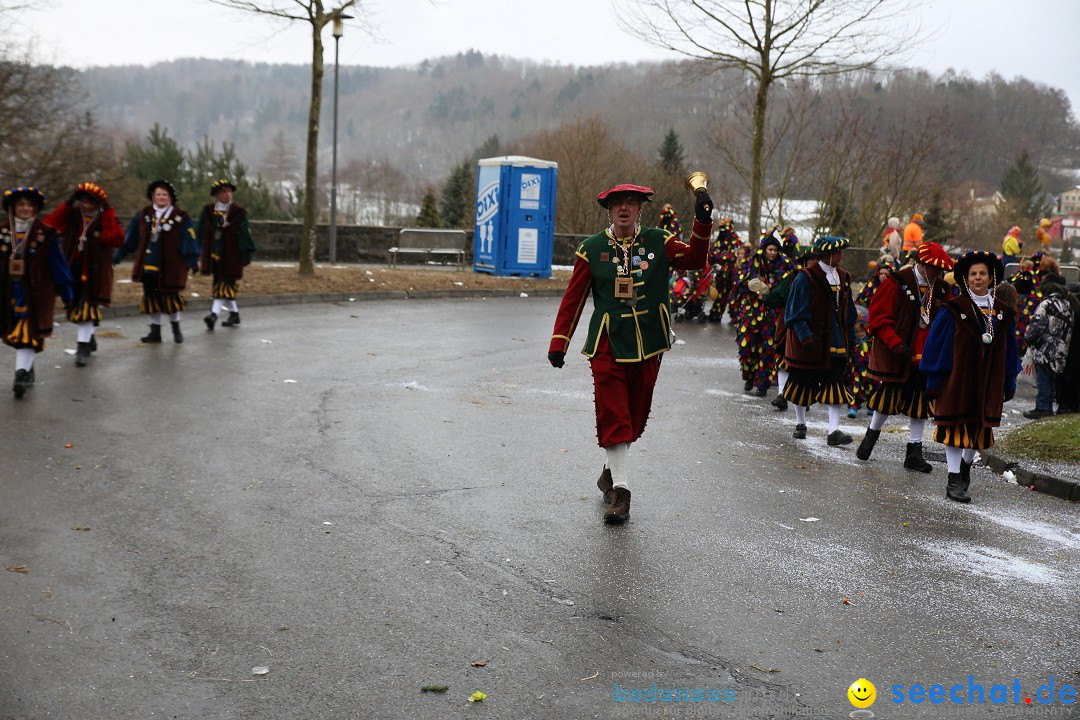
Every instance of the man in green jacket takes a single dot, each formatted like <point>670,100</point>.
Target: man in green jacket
<point>626,267</point>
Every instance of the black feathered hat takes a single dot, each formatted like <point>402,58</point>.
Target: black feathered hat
<point>160,184</point>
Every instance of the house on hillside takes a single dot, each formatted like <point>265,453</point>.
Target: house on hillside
<point>984,207</point>
<point>1068,203</point>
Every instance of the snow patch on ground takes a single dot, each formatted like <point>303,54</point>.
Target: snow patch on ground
<point>547,392</point>
<point>1041,530</point>
<point>995,563</point>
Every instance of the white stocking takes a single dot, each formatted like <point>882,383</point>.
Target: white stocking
<point>24,358</point>
<point>616,462</point>
<point>877,420</point>
<point>915,430</point>
<point>175,317</point>
<point>952,458</point>
<point>969,455</point>
<point>232,306</point>
<point>834,417</point>
<point>800,415</point>
<point>781,380</point>
<point>155,318</point>
<point>85,332</point>
<point>218,304</point>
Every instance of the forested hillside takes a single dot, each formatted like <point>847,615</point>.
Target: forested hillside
<point>884,142</point>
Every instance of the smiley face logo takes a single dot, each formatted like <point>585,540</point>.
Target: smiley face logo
<point>862,693</point>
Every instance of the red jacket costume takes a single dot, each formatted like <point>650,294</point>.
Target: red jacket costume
<point>894,319</point>
<point>90,265</point>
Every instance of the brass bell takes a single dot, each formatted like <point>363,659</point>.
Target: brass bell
<point>698,182</point>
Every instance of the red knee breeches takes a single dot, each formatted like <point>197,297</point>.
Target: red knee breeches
<point>623,393</point>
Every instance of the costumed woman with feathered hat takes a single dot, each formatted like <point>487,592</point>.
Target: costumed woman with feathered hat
<point>89,234</point>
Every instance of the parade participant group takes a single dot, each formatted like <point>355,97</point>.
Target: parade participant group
<point>927,336</point>
<point>71,252</point>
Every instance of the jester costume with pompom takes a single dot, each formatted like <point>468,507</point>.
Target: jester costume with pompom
<point>723,259</point>
<point>857,377</point>
<point>867,293</point>
<point>756,327</point>
<point>1028,297</point>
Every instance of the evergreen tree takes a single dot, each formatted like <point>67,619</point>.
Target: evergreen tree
<point>458,204</point>
<point>192,173</point>
<point>672,160</point>
<point>492,147</point>
<point>429,211</point>
<point>159,159</point>
<point>936,225</point>
<point>1022,191</point>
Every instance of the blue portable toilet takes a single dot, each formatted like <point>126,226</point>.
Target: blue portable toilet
<point>515,216</point>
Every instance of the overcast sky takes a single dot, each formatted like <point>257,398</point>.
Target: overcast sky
<point>1039,39</point>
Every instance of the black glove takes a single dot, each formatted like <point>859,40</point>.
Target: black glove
<point>900,350</point>
<point>703,208</point>
<point>557,359</point>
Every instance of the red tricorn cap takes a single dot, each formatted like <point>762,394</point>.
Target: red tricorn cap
<point>646,193</point>
<point>930,253</point>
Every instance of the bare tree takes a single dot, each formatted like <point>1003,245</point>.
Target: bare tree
<point>315,13</point>
<point>590,160</point>
<point>867,166</point>
<point>772,40</point>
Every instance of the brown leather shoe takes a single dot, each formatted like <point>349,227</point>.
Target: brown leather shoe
<point>604,483</point>
<point>619,509</point>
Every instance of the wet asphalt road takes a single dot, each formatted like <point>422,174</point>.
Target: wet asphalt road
<point>367,497</point>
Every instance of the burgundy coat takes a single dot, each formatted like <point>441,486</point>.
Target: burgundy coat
<point>235,247</point>
<point>816,355</point>
<point>973,393</point>
<point>174,247</point>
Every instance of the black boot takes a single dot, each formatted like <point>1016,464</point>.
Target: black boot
<point>748,385</point>
<point>838,437</point>
<point>965,476</point>
<point>82,354</point>
<point>211,321</point>
<point>955,490</point>
<point>23,381</point>
<point>914,459</point>
<point>780,403</point>
<point>93,343</point>
<point>800,432</point>
<point>177,336</point>
<point>234,320</point>
<point>867,445</point>
<point>154,336</point>
<point>761,391</point>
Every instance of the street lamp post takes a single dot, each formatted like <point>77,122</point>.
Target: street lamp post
<point>339,30</point>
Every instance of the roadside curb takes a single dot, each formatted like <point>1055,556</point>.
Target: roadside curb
<point>200,304</point>
<point>1042,482</point>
